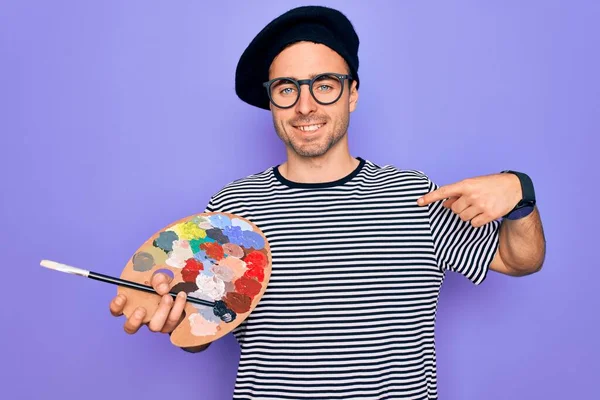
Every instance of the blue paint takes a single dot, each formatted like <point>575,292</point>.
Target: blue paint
<point>253,239</point>
<point>220,221</point>
<point>208,314</point>
<point>201,255</point>
<point>234,234</point>
<point>217,235</point>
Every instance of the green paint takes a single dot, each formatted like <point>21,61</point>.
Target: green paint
<point>165,240</point>
<point>196,243</point>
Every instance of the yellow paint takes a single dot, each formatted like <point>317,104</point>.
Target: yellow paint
<point>189,230</point>
<point>160,257</point>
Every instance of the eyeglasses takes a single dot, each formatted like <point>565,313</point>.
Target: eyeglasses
<point>326,88</point>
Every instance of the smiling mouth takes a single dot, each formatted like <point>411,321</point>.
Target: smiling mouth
<point>309,128</point>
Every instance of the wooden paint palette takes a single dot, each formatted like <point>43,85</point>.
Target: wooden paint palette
<point>218,257</point>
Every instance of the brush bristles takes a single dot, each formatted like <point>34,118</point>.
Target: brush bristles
<point>64,268</point>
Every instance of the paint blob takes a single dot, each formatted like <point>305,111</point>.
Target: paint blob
<point>242,224</point>
<point>219,221</point>
<point>206,262</point>
<point>223,272</point>
<point>199,295</point>
<point>255,273</point>
<point>221,309</point>
<point>205,225</point>
<point>158,254</point>
<point>256,259</point>
<point>200,255</point>
<point>202,222</point>
<point>164,271</point>
<point>217,235</point>
<point>233,250</point>
<point>208,314</point>
<point>253,239</point>
<point>187,287</point>
<point>248,286</point>
<point>143,261</point>
<point>202,327</point>
<point>256,262</point>
<point>180,253</point>
<point>165,240</point>
<point>196,243</point>
<point>229,286</point>
<point>199,219</point>
<point>240,303</point>
<point>189,230</point>
<point>213,287</point>
<point>236,265</point>
<point>213,250</point>
<point>192,269</point>
<point>234,235</point>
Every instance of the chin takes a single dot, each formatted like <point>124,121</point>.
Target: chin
<point>310,153</point>
<point>309,144</point>
<point>310,149</point>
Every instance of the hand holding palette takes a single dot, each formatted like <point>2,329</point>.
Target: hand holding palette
<point>222,261</point>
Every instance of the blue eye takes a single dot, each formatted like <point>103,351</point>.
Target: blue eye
<point>287,91</point>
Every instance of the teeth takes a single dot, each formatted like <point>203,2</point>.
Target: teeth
<point>310,128</point>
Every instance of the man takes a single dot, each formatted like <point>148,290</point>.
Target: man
<point>359,250</point>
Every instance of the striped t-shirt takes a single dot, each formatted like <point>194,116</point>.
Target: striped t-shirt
<point>349,311</point>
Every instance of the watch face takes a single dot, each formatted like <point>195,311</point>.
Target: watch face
<point>520,212</point>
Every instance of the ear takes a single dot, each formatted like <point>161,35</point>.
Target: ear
<point>353,97</point>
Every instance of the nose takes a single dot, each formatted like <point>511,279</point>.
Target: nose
<point>306,103</point>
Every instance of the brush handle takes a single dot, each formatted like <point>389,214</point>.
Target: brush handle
<point>138,286</point>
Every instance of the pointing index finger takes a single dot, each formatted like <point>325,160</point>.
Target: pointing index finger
<point>441,193</point>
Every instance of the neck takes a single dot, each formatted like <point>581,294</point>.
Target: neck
<point>331,166</point>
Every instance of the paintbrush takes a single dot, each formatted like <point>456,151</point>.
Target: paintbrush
<point>219,306</point>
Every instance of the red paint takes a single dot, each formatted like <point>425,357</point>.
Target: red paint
<point>255,262</point>
<point>189,276</point>
<point>191,270</point>
<point>256,259</point>
<point>247,286</point>
<point>213,250</point>
<point>257,273</point>
<point>240,303</point>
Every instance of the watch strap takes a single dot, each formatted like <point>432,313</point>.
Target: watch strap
<point>527,203</point>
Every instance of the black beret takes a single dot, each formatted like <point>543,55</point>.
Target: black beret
<point>309,23</point>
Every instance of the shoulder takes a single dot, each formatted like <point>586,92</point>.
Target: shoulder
<point>391,173</point>
<point>242,188</point>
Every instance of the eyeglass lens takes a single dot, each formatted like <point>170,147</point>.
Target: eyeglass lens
<point>326,89</point>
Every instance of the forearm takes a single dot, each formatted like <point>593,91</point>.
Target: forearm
<point>522,244</point>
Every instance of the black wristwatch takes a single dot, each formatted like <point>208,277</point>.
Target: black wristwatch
<point>527,203</point>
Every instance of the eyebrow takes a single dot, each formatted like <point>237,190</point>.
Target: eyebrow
<point>310,76</point>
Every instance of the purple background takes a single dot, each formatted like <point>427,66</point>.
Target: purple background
<point>119,117</point>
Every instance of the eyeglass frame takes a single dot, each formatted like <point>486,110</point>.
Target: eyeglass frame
<point>309,82</point>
